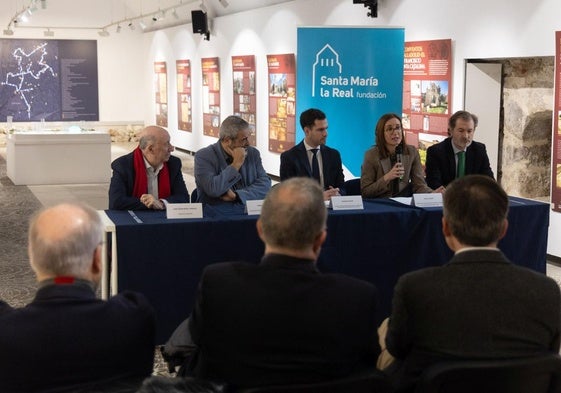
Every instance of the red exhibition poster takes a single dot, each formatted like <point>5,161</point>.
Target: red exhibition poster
<point>282,102</point>
<point>243,68</point>
<point>184,114</point>
<point>161,89</point>
<point>556,140</point>
<point>427,92</point>
<point>211,96</point>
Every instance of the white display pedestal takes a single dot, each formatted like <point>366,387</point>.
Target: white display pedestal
<point>58,157</point>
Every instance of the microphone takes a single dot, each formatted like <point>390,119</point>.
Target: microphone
<point>398,156</point>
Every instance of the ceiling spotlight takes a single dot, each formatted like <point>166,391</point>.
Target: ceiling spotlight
<point>8,31</point>
<point>44,4</point>
<point>372,5</point>
<point>48,33</point>
<point>118,29</point>
<point>160,15</point>
<point>22,18</point>
<point>103,33</point>
<point>131,25</point>
<point>224,3</point>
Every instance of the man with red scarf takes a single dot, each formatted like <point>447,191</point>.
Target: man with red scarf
<point>148,175</point>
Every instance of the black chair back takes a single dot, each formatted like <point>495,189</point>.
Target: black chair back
<point>352,187</point>
<point>539,374</point>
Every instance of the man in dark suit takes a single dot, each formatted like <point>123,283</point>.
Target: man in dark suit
<point>282,321</point>
<point>299,161</point>
<point>479,305</point>
<point>148,176</point>
<point>458,155</point>
<point>66,339</point>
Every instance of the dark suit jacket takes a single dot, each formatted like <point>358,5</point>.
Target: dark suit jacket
<point>282,322</point>
<point>66,338</point>
<point>440,166</point>
<point>122,184</point>
<point>294,162</point>
<point>478,306</point>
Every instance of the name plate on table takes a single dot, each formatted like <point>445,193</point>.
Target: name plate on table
<point>348,202</point>
<point>427,200</point>
<point>184,210</point>
<point>253,207</point>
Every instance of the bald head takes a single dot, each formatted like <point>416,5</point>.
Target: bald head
<point>155,145</point>
<point>293,214</point>
<point>63,240</point>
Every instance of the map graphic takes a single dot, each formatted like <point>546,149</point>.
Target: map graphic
<point>52,80</point>
<point>30,80</point>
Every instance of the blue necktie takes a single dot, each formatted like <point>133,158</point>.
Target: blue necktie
<point>315,165</point>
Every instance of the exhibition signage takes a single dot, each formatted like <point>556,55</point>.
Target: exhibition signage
<point>354,75</point>
<point>211,96</point>
<point>161,88</point>
<point>243,68</point>
<point>427,92</point>
<point>184,113</point>
<point>51,80</point>
<point>556,140</point>
<point>282,101</point>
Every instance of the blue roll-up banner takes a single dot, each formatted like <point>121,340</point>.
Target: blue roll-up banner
<point>354,75</point>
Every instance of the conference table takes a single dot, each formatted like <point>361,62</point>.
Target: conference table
<point>164,259</point>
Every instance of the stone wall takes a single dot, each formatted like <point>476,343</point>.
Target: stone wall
<point>525,156</point>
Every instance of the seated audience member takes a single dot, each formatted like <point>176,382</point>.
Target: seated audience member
<point>312,157</point>
<point>282,321</point>
<point>230,171</point>
<point>391,168</point>
<point>479,305</point>
<point>66,339</point>
<point>148,175</point>
<point>457,155</point>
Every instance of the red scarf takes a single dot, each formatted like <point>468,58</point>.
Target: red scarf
<point>141,179</point>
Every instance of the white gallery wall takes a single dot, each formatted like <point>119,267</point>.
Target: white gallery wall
<point>479,29</point>
<point>122,79</point>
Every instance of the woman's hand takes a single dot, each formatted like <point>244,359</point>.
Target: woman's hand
<point>396,172</point>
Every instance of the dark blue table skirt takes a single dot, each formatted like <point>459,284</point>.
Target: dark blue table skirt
<point>163,259</point>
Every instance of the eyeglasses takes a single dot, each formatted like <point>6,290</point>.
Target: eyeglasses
<point>391,130</point>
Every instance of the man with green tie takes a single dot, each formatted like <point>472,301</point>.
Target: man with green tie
<point>457,155</point>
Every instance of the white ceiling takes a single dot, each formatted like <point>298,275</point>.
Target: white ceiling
<point>95,14</point>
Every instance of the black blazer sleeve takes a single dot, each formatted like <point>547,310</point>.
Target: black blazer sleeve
<point>332,168</point>
<point>122,184</point>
